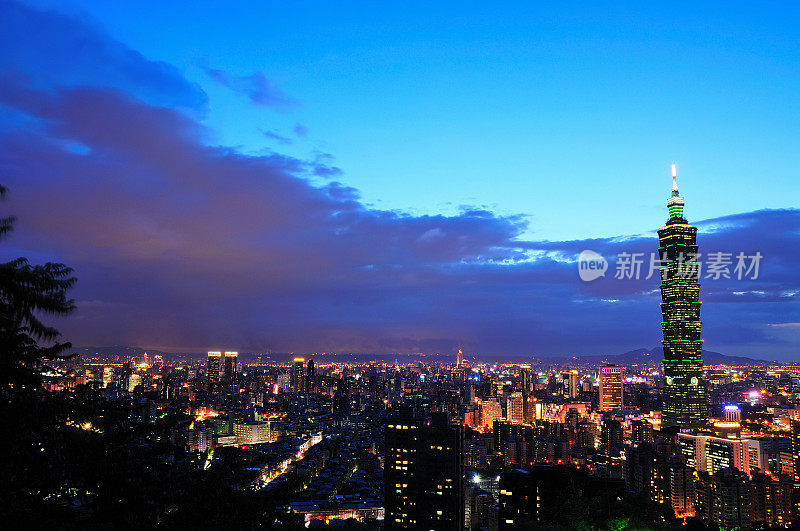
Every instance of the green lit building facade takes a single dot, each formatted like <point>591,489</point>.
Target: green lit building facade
<point>684,400</point>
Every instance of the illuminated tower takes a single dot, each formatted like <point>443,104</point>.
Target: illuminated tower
<point>685,402</point>
<point>459,359</point>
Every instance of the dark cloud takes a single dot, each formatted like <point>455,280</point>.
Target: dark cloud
<point>160,226</point>
<point>257,87</point>
<point>301,131</point>
<point>321,166</point>
<point>55,49</point>
<point>272,135</point>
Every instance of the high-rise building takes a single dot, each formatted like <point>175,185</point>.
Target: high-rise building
<point>515,408</point>
<point>796,449</point>
<point>525,380</point>
<point>213,366</point>
<point>529,409</point>
<point>125,374</point>
<point>513,441</point>
<point>231,359</point>
<point>685,402</point>
<point>708,453</point>
<point>552,386</point>
<point>108,375</point>
<point>201,436</point>
<point>570,382</point>
<point>491,410</point>
<point>726,499</point>
<point>311,377</point>
<point>424,473</point>
<point>610,378</point>
<point>497,387</point>
<point>641,431</point>
<point>795,436</point>
<point>297,375</point>
<point>134,381</point>
<point>770,501</point>
<point>765,454</point>
<point>681,488</point>
<point>459,359</point>
<point>611,436</point>
<point>645,472</point>
<point>519,500</point>
<point>372,379</point>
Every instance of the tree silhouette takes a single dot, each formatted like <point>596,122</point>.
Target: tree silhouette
<point>27,291</point>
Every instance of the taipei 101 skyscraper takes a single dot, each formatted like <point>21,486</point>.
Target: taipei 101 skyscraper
<point>685,404</point>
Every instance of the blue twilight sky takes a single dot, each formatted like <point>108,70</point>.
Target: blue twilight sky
<point>529,131</point>
<point>543,110</point>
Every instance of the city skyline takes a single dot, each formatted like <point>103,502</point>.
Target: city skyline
<point>185,235</point>
<point>376,266</point>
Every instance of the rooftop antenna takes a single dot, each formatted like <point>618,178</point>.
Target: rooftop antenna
<point>674,178</point>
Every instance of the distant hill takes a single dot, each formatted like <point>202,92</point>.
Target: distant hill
<point>645,355</point>
<point>638,356</point>
<point>119,350</point>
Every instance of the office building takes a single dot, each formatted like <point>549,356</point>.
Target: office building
<point>570,382</point>
<point>231,360</point>
<point>610,378</point>
<point>134,381</point>
<point>765,453</point>
<point>213,366</point>
<point>515,408</point>
<point>708,453</point>
<point>297,377</point>
<point>253,432</point>
<point>491,410</point>
<point>525,380</point>
<point>497,387</point>
<point>311,377</point>
<point>685,402</point>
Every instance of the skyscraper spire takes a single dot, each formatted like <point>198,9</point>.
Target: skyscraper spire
<point>675,203</point>
<point>674,180</point>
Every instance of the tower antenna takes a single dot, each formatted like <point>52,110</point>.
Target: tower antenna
<point>674,178</point>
